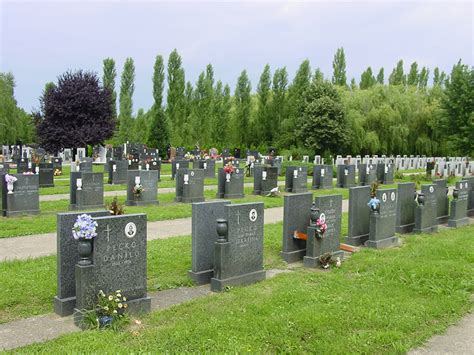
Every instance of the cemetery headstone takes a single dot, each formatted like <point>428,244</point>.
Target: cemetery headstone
<point>86,190</point>
<point>178,164</point>
<point>359,224</point>
<point>296,179</point>
<point>264,180</point>
<point>204,235</point>
<point>442,202</point>
<point>189,185</point>
<point>25,166</point>
<point>4,168</point>
<point>57,165</point>
<point>142,188</point>
<point>470,203</point>
<point>367,174</point>
<point>329,211</point>
<point>322,177</point>
<point>46,175</point>
<point>118,261</point>
<point>383,220</point>
<point>406,206</point>
<point>458,214</point>
<point>385,173</point>
<point>118,170</point>
<point>22,196</point>
<point>346,176</point>
<point>296,211</point>
<point>238,253</point>
<point>425,217</point>
<point>230,185</point>
<point>208,165</point>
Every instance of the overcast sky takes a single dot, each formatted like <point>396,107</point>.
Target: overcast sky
<point>40,40</point>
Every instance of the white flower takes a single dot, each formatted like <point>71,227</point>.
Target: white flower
<point>120,305</point>
<point>111,298</point>
<point>325,266</point>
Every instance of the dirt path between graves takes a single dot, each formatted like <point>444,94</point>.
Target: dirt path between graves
<point>34,246</point>
<point>50,326</point>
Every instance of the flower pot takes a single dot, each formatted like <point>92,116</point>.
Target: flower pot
<point>84,249</point>
<point>105,321</point>
<point>10,187</point>
<point>222,230</point>
<point>313,215</point>
<point>455,193</point>
<point>421,199</point>
<point>227,177</point>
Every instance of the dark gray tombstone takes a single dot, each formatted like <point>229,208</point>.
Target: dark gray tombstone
<point>46,175</point>
<point>154,165</point>
<point>24,198</point>
<point>383,222</point>
<point>406,207</point>
<point>470,202</point>
<point>367,174</point>
<point>149,181</point>
<point>442,202</point>
<point>296,209</point>
<point>67,257</point>
<point>25,166</point>
<point>296,179</point>
<point>322,177</point>
<point>358,225</point>
<point>118,170</point>
<point>133,161</point>
<point>118,153</point>
<point>330,211</point>
<point>208,165</point>
<point>118,262</point>
<point>230,185</point>
<point>189,185</point>
<point>346,176</point>
<point>85,166</point>
<point>204,235</point>
<point>385,173</point>
<point>238,253</point>
<point>90,192</point>
<point>4,167</point>
<point>265,179</point>
<point>57,164</point>
<point>178,164</point>
<point>458,214</point>
<point>425,216</point>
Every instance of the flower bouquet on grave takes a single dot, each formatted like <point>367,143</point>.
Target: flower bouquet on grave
<point>229,168</point>
<point>10,180</point>
<point>57,172</point>
<point>321,228</point>
<point>84,231</point>
<point>137,190</point>
<point>109,311</point>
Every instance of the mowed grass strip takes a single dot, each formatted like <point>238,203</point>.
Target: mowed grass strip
<point>385,301</point>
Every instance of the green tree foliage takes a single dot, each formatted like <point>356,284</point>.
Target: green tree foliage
<point>380,76</point>
<point>423,78</point>
<point>243,109</point>
<point>458,102</point>
<point>158,130</point>
<point>322,124</point>
<point>127,87</point>
<point>318,75</point>
<point>15,123</point>
<point>175,108</point>
<point>222,115</point>
<point>413,77</point>
<point>263,118</point>
<point>397,77</point>
<point>367,79</point>
<point>280,100</point>
<point>339,68</point>
<point>140,127</point>
<point>439,78</point>
<point>354,84</point>
<point>108,80</point>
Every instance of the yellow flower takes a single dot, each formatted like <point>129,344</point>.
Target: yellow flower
<point>111,298</point>
<point>120,305</point>
<point>125,305</point>
<point>106,308</point>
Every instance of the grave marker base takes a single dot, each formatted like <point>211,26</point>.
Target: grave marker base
<point>357,240</point>
<point>201,277</point>
<point>382,243</point>
<point>293,256</point>
<point>64,306</point>
<point>407,228</point>
<point>247,279</point>
<point>313,262</point>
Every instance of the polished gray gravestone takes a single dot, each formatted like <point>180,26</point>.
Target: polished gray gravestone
<point>149,181</point>
<point>25,196</point>
<point>189,185</point>
<point>238,253</point>
<point>25,166</point>
<point>470,202</point>
<point>57,164</point>
<point>265,179</point>
<point>296,210</point>
<point>46,175</point>
<point>118,171</point>
<point>178,164</point>
<point>67,257</point>
<point>385,173</point>
<point>134,161</point>
<point>442,201</point>
<point>358,225</point>
<point>230,185</point>
<point>208,165</point>
<point>88,196</point>
<point>153,165</point>
<point>458,214</point>
<point>330,209</point>
<point>85,166</point>
<point>425,214</point>
<point>367,174</point>
<point>383,222</point>
<point>118,262</point>
<point>204,235</point>
<point>4,167</point>
<point>406,207</point>
<point>296,179</point>
<point>322,177</point>
<point>346,176</point>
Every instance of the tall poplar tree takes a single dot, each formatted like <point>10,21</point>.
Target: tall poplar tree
<point>263,118</point>
<point>423,78</point>
<point>367,79</point>
<point>412,78</point>
<point>127,87</point>
<point>108,80</point>
<point>339,68</point>
<point>279,101</point>
<point>221,115</point>
<point>243,109</point>
<point>397,77</point>
<point>380,76</point>
<point>175,109</point>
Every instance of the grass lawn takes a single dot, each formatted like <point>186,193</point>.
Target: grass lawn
<point>45,222</point>
<point>386,301</point>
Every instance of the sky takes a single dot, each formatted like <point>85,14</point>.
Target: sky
<point>41,40</point>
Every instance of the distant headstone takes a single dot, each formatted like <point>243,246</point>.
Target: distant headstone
<point>359,224</point>
<point>230,185</point>
<point>4,168</point>
<point>118,170</point>
<point>133,161</point>
<point>406,207</point>
<point>346,176</point>
<point>178,164</point>
<point>149,181</point>
<point>46,175</point>
<point>458,216</point>
<point>86,190</point>
<point>296,210</point>
<point>204,235</point>
<point>367,174</point>
<point>296,179</point>
<point>264,180</point>
<point>383,221</point>
<point>189,185</point>
<point>25,166</point>
<point>470,203</point>
<point>425,216</point>
<point>385,173</point>
<point>208,165</point>
<point>442,202</point>
<point>238,253</point>
<point>322,177</point>
<point>118,262</point>
<point>57,165</point>
<point>67,257</point>
<point>23,198</point>
<point>330,212</point>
